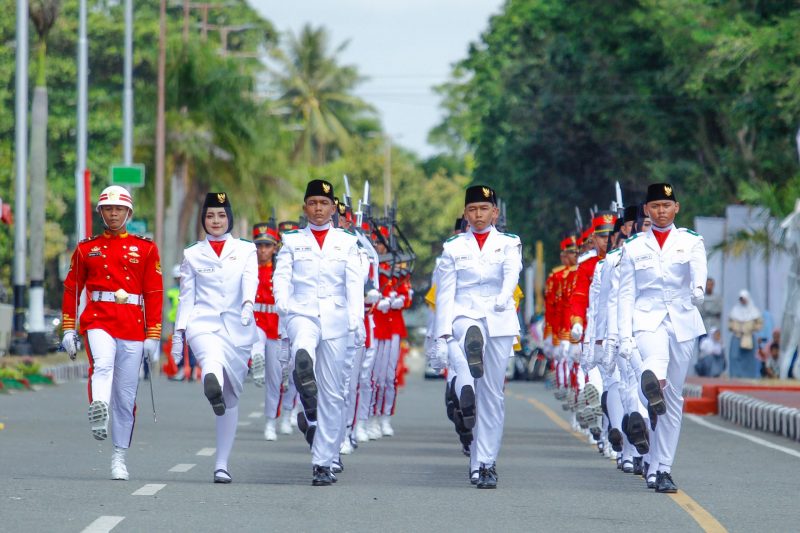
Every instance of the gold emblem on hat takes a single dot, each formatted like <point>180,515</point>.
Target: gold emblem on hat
<point>221,197</point>
<point>608,219</point>
<point>487,192</point>
<point>121,296</point>
<point>668,190</point>
<point>326,188</point>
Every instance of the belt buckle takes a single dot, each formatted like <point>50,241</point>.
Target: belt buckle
<point>121,296</point>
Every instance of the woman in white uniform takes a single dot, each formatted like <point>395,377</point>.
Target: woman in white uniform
<point>219,279</point>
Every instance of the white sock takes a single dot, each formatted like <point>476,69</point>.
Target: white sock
<point>226,433</point>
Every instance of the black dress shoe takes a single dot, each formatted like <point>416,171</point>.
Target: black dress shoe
<point>487,477</point>
<point>653,418</point>
<point>467,406</point>
<point>637,466</point>
<point>222,476</point>
<point>474,476</point>
<point>337,466</point>
<point>645,469</point>
<point>624,425</point>
<point>651,388</point>
<point>465,449</point>
<point>213,392</point>
<point>615,438</point>
<point>637,433</point>
<point>306,383</point>
<point>449,402</point>
<point>665,484</point>
<point>651,481</point>
<point>308,430</point>
<point>322,476</point>
<point>473,348</point>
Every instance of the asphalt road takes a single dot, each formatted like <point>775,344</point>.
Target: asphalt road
<point>55,477</point>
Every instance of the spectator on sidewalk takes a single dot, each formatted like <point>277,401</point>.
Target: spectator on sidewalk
<point>772,368</point>
<point>711,363</point>
<point>711,310</point>
<point>744,321</point>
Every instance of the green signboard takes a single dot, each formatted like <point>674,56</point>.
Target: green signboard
<point>127,175</point>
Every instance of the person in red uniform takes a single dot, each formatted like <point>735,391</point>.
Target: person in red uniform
<point>122,319</point>
<point>399,299</point>
<point>382,334</point>
<point>267,367</point>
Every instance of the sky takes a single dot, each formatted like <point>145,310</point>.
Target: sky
<point>404,47</point>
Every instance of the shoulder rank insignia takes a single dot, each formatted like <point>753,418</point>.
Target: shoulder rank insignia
<point>245,240</point>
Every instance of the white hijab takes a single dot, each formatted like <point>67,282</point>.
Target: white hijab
<point>745,312</point>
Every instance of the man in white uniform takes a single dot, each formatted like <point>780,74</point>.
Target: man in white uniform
<point>319,292</point>
<point>475,309</point>
<point>662,280</point>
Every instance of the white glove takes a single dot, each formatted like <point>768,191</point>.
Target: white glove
<point>626,347</point>
<point>397,302</point>
<point>359,336</point>
<point>698,296</point>
<point>577,331</point>
<point>438,359</point>
<point>177,347</point>
<point>282,308</point>
<point>610,353</point>
<point>71,343</point>
<point>372,297</point>
<point>392,294</point>
<point>587,353</point>
<point>383,305</point>
<point>500,303</point>
<point>152,349</point>
<point>563,350</point>
<point>247,313</point>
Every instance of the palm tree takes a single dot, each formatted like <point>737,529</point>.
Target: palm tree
<point>316,92</point>
<point>43,14</point>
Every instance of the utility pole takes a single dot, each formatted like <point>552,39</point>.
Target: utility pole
<point>127,94</point>
<point>160,123</point>
<point>387,172</point>
<point>20,345</point>
<point>80,164</point>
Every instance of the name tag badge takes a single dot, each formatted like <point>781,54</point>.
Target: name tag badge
<point>642,258</point>
<point>205,270</point>
<point>302,249</point>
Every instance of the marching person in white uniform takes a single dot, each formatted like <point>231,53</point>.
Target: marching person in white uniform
<point>219,279</point>
<point>475,309</point>
<point>319,293</point>
<point>662,280</point>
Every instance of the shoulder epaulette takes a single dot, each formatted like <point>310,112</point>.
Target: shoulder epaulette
<point>510,235</point>
<point>292,231</point>
<point>692,232</point>
<point>632,238</point>
<point>93,237</point>
<point>195,242</point>
<point>350,232</point>
<point>245,240</point>
<point>454,237</point>
<point>615,251</point>
<point>143,237</point>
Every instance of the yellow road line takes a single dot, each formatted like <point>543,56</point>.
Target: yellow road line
<point>704,519</point>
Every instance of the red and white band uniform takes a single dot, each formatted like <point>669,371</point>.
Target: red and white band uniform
<point>114,331</point>
<point>657,308</point>
<point>476,287</point>
<point>218,276</point>
<point>319,293</point>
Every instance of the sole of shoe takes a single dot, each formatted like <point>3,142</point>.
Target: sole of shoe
<point>488,485</point>
<point>651,484</point>
<point>98,419</point>
<point>615,438</point>
<point>651,388</point>
<point>312,430</point>
<point>667,491</point>
<point>473,348</point>
<point>258,370</point>
<point>467,403</point>
<point>637,433</point>
<point>627,467</point>
<point>213,392</point>
<point>306,382</point>
<point>224,479</point>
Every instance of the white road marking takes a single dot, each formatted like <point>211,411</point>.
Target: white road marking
<point>182,467</point>
<point>254,414</point>
<point>149,489</point>
<point>243,424</point>
<point>103,524</point>
<point>207,452</point>
<point>767,444</point>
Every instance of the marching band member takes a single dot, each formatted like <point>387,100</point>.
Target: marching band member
<point>319,292</point>
<point>474,309</point>
<point>662,282</point>
<point>219,281</point>
<point>121,321</point>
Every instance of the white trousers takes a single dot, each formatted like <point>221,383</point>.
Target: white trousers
<point>669,360</point>
<point>331,368</point>
<point>489,399</point>
<point>390,376</point>
<point>354,385</point>
<point>114,379</point>
<point>366,386</point>
<point>273,374</point>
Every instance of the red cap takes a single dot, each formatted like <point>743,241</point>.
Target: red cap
<point>604,222</point>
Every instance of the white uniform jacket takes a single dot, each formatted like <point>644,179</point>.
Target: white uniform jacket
<point>657,282</point>
<point>213,290</point>
<point>470,279</point>
<point>605,272</point>
<point>325,284</point>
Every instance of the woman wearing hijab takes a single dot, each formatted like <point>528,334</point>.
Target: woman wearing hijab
<point>219,279</point>
<point>744,321</point>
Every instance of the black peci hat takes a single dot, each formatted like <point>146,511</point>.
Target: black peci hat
<point>217,199</point>
<point>480,193</point>
<point>319,188</point>
<point>631,213</point>
<point>660,191</point>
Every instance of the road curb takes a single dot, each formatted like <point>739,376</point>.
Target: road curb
<point>67,371</point>
<point>760,415</point>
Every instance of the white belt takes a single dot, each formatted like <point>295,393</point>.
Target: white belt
<point>108,296</point>
<point>480,290</point>
<point>264,308</point>
<point>666,295</point>
<point>321,292</point>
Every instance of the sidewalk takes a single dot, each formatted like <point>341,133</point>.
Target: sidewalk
<point>765,405</point>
